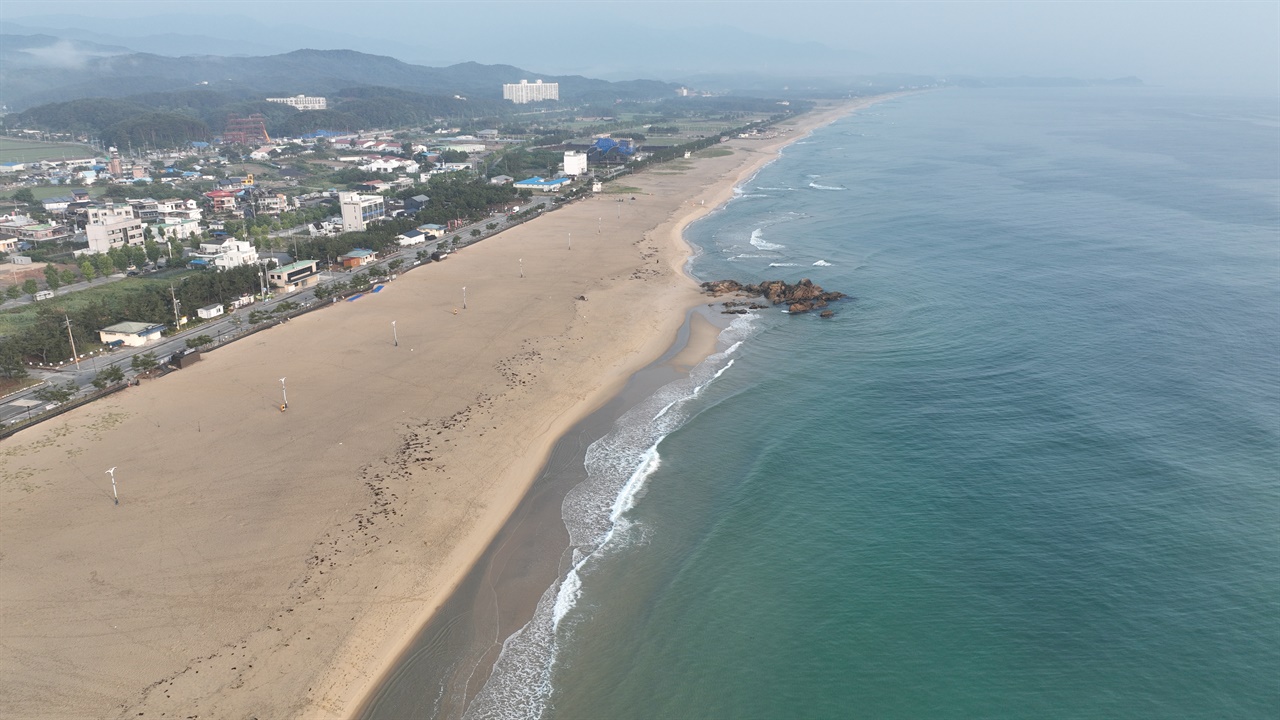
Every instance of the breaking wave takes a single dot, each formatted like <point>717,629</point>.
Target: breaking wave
<point>595,514</point>
<point>822,263</point>
<point>757,240</point>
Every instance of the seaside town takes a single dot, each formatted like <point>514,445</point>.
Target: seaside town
<point>127,263</point>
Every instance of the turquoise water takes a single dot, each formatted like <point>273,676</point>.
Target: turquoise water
<point>1031,470</point>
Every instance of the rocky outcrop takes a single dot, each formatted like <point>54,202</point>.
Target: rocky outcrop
<point>800,297</point>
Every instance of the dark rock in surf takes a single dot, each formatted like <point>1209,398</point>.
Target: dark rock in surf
<point>800,297</point>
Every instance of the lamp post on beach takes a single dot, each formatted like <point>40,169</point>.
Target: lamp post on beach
<point>114,494</point>
<point>395,339</point>
<point>521,267</point>
<point>570,241</point>
<point>464,297</point>
<point>284,395</point>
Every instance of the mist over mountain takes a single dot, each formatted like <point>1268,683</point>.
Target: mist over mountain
<point>40,69</point>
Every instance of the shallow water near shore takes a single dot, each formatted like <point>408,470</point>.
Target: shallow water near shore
<point>1030,470</point>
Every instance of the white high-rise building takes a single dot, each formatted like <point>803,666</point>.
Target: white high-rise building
<point>527,92</point>
<point>575,163</point>
<point>358,211</point>
<point>112,227</point>
<point>302,102</point>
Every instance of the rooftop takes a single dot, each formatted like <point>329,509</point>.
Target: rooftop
<point>132,328</point>
<point>295,266</point>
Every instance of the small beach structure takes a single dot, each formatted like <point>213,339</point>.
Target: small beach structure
<point>294,275</point>
<point>133,334</point>
<point>357,257</point>
<point>210,311</point>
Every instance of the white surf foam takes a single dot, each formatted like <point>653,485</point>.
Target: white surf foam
<point>596,515</point>
<point>784,264</point>
<point>816,186</point>
<point>758,241</point>
<point>822,263</point>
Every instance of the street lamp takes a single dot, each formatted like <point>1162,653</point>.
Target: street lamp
<point>284,395</point>
<point>464,297</point>
<point>116,495</point>
<point>394,337</point>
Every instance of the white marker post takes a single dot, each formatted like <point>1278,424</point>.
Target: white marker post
<point>521,267</point>
<point>114,494</point>
<point>570,241</point>
<point>284,395</point>
<point>464,297</point>
<point>394,337</point>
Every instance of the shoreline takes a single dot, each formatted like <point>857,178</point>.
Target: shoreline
<point>388,476</point>
<point>390,696</point>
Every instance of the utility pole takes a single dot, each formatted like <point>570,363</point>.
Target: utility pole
<point>70,337</point>
<point>173,294</point>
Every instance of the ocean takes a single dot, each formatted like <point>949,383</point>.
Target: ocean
<point>1030,469</point>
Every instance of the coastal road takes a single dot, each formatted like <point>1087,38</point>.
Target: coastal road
<point>231,324</point>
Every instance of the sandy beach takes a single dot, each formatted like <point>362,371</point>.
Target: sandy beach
<point>274,564</point>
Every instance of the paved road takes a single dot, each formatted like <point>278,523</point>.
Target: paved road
<point>231,324</point>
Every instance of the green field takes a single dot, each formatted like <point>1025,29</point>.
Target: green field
<point>19,318</point>
<point>44,192</point>
<point>14,150</point>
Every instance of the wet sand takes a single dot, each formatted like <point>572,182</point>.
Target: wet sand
<point>276,564</point>
<point>450,659</point>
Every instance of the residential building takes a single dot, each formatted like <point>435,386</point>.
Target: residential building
<point>225,255</point>
<point>416,203</point>
<point>179,210</point>
<point>110,227</point>
<point>175,228</point>
<point>302,102</point>
<point>56,205</point>
<point>223,200</point>
<point>527,92</point>
<point>501,180</point>
<point>358,211</point>
<point>575,163</point>
<point>24,228</point>
<point>145,209</point>
<point>273,204</point>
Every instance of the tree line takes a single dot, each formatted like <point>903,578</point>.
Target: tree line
<point>46,339</point>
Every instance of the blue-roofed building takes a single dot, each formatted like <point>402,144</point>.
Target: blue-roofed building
<point>538,183</point>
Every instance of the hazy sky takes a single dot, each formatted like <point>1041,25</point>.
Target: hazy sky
<point>1235,45</point>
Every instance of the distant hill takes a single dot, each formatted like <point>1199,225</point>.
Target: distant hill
<point>39,69</point>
